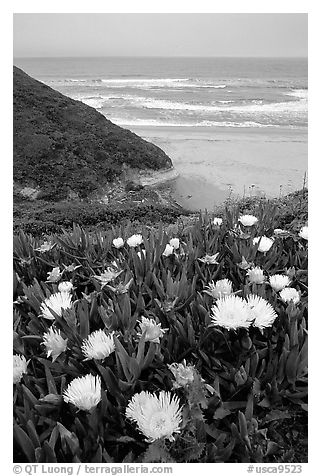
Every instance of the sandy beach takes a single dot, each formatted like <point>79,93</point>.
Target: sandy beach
<point>215,162</point>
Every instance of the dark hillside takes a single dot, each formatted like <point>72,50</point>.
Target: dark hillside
<point>62,145</point>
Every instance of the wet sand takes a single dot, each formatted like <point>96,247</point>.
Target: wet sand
<point>215,162</point>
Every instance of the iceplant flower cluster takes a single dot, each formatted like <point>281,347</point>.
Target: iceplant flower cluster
<point>56,303</point>
<point>54,343</point>
<point>111,273</point>
<point>46,246</point>
<point>256,275</point>
<point>118,243</point>
<point>279,282</point>
<point>135,240</point>
<point>121,288</point>
<point>303,233</point>
<point>183,373</point>
<point>222,287</point>
<point>209,259</point>
<point>84,392</point>
<point>217,221</point>
<point>19,367</point>
<point>169,250</point>
<point>265,243</point>
<point>262,312</point>
<point>280,232</point>
<point>98,345</point>
<point>153,330</point>
<point>174,242</point>
<point>248,220</point>
<point>233,312</point>
<point>54,275</point>
<point>290,295</point>
<point>157,416</point>
<point>65,287</point>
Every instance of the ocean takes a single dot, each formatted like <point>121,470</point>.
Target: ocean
<point>230,125</point>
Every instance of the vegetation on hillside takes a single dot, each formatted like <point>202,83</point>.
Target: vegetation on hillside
<point>40,218</point>
<point>62,145</point>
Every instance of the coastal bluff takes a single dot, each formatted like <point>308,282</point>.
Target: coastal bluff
<point>64,148</point>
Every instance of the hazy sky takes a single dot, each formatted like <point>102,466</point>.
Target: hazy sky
<point>160,34</point>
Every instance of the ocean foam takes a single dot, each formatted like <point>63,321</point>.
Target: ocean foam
<point>288,107</point>
<point>153,122</point>
<point>298,93</point>
<point>149,83</point>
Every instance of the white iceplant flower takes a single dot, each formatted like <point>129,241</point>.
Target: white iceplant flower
<point>262,312</point>
<point>174,242</point>
<point>153,331</point>
<point>279,281</point>
<point>231,312</point>
<point>98,345</point>
<point>111,273</point>
<point>265,243</point>
<point>65,287</point>
<point>280,232</point>
<point>84,392</point>
<point>135,240</point>
<point>248,220</point>
<point>54,343</point>
<point>169,250</point>
<point>290,295</point>
<point>217,221</point>
<point>303,233</point>
<point>183,373</point>
<point>156,416</point>
<point>54,275</point>
<point>46,246</point>
<point>118,242</point>
<point>220,288</point>
<point>19,367</point>
<point>256,275</point>
<point>209,259</point>
<point>56,302</point>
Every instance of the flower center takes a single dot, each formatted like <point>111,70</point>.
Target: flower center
<point>159,424</point>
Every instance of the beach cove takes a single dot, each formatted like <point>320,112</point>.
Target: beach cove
<point>214,163</point>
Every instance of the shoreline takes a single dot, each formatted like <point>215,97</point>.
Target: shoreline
<point>153,178</point>
<point>214,163</point>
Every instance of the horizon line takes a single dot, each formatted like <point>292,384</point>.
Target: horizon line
<point>157,56</point>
